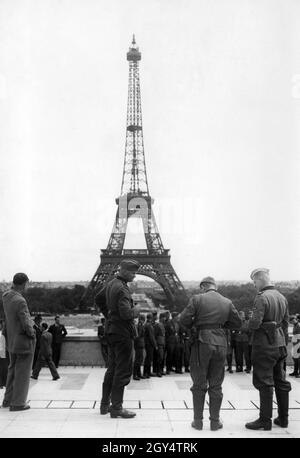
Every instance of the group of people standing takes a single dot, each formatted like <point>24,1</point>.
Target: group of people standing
<point>211,321</point>
<point>48,346</point>
<point>160,343</point>
<point>25,346</point>
<point>239,346</point>
<point>203,324</point>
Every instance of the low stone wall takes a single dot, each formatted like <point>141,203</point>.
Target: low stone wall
<point>81,351</point>
<point>86,351</point>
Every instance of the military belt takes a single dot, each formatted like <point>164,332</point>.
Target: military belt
<point>209,326</point>
<point>276,325</point>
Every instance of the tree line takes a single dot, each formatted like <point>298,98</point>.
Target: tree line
<point>67,300</point>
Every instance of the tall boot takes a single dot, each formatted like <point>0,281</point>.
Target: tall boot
<point>198,404</point>
<point>116,409</point>
<point>135,372</point>
<point>139,373</point>
<point>105,401</point>
<point>214,412</point>
<point>265,414</point>
<point>283,408</point>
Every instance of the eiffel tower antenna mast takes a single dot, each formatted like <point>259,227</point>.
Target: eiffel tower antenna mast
<point>135,201</point>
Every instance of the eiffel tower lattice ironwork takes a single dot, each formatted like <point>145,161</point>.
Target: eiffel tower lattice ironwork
<point>135,201</point>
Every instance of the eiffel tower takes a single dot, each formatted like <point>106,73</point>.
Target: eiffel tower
<point>136,202</point>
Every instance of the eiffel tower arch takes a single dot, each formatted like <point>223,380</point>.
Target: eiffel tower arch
<point>135,202</point>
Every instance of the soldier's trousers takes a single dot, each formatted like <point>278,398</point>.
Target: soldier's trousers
<point>18,378</point>
<point>207,372</point>
<point>155,360</point>
<point>178,357</point>
<point>148,359</point>
<point>186,353</point>
<point>268,368</point>
<point>160,359</point>
<point>138,361</point>
<point>242,353</point>
<point>170,355</point>
<point>118,373</point>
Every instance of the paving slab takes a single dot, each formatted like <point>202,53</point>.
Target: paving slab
<point>69,407</point>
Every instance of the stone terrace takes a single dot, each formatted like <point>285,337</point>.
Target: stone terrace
<point>69,407</point>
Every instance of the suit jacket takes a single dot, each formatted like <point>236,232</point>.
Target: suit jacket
<point>19,325</point>
<point>46,344</point>
<point>211,308</point>
<point>58,333</point>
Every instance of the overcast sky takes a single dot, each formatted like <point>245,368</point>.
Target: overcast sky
<point>220,85</point>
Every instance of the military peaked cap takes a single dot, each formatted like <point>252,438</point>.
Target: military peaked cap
<point>130,264</point>
<point>260,269</point>
<point>208,280</point>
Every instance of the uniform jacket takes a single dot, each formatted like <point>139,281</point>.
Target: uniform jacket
<point>159,333</point>
<point>19,325</point>
<point>46,344</point>
<point>171,332</point>
<point>269,305</point>
<point>139,341</point>
<point>243,334</point>
<point>120,317</point>
<point>149,335</point>
<point>211,308</point>
<point>58,333</point>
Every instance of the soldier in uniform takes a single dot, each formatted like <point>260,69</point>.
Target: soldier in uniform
<point>242,346</point>
<point>139,347</point>
<point>207,314</point>
<point>270,325</point>
<point>159,334</point>
<point>103,341</point>
<point>186,334</point>
<point>155,354</point>
<point>150,346</point>
<point>171,337</point>
<point>296,346</point>
<point>229,354</point>
<point>178,353</point>
<point>120,332</point>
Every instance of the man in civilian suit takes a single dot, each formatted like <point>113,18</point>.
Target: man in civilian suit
<point>45,354</point>
<point>58,332</point>
<point>20,343</point>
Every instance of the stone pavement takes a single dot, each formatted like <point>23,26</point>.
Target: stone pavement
<point>69,407</point>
